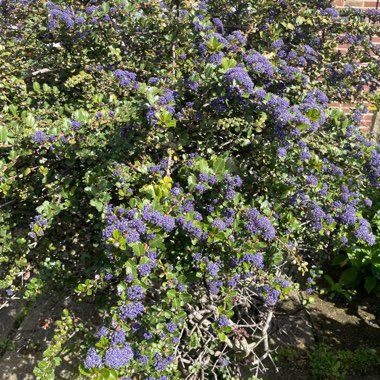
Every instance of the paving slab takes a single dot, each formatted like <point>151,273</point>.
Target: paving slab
<point>9,315</point>
<point>32,334</point>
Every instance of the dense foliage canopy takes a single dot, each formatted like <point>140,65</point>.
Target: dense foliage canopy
<point>177,163</point>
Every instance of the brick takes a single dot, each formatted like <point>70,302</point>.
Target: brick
<point>342,51</point>
<point>368,119</point>
<point>355,3</point>
<point>370,4</point>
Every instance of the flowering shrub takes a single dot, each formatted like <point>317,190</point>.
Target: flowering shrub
<point>361,262</point>
<point>181,254</point>
<point>175,162</point>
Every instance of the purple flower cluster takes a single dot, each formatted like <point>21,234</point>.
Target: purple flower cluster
<point>317,215</point>
<point>171,327</point>
<point>312,180</point>
<point>215,58</point>
<point>240,80</point>
<point>218,224</point>
<point>223,321</point>
<point>161,362</point>
<point>256,260</point>
<point>331,12</point>
<point>126,78</point>
<point>237,36</point>
<point>363,232</point>
<point>37,226</point>
<point>93,359</point>
<point>213,269</point>
<point>118,337</point>
<point>259,225</point>
<point>125,224</point>
<point>218,24</point>
<point>260,64</point>
<point>135,292</point>
<point>39,137</point>
<point>131,311</point>
<point>75,124</point>
<point>157,219</point>
<point>118,357</point>
<point>66,16</point>
<point>348,216</point>
<point>270,295</point>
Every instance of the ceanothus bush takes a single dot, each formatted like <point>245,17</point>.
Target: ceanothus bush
<point>174,163</point>
<point>178,251</point>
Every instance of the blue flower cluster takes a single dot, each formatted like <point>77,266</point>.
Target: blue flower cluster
<point>126,78</point>
<point>69,18</point>
<point>240,80</point>
<point>259,225</point>
<point>37,227</point>
<point>39,137</point>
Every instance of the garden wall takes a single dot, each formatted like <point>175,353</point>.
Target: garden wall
<point>370,120</point>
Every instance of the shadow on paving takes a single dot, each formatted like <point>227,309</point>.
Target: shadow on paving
<point>294,333</point>
<point>347,325</point>
<point>25,335</point>
<point>342,325</point>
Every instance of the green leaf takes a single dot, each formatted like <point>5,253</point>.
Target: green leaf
<point>84,371</point>
<point>105,7</point>
<point>171,294</point>
<point>13,109</point>
<point>177,302</point>
<point>108,374</point>
<point>116,234</point>
<point>300,20</point>
<point>158,191</point>
<point>157,242</point>
<point>278,258</point>
<point>228,63</point>
<point>138,248</point>
<point>130,266</point>
<point>214,45</point>
<point>3,134</point>
<point>349,276</point>
<point>203,165</point>
<point>81,115</point>
<point>112,375</point>
<point>192,180</point>
<point>290,26</point>
<point>36,87</point>
<point>97,204</point>
<point>30,121</point>
<point>219,166</point>
<point>375,260</point>
<point>314,115</point>
<point>370,283</point>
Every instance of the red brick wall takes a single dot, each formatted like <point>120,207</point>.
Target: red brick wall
<point>368,119</point>
<point>356,3</point>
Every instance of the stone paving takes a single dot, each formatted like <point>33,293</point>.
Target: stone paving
<point>26,329</point>
<point>27,338</point>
